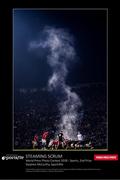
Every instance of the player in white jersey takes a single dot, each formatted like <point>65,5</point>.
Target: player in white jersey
<point>79,137</point>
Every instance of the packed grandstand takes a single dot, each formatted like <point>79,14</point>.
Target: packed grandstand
<point>36,112</point>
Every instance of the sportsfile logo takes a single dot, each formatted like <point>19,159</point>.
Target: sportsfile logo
<point>12,157</point>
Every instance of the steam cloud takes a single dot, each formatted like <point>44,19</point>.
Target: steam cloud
<point>61,53</point>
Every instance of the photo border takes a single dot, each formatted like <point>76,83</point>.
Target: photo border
<point>60,9</point>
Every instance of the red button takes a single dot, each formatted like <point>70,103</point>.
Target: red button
<point>106,157</point>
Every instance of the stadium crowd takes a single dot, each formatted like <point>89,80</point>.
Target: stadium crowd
<point>36,112</point>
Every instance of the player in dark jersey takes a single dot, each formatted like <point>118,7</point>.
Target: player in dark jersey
<point>61,139</point>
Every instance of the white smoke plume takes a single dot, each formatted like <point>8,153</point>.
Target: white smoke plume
<point>61,53</point>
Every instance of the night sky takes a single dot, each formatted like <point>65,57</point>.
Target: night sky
<point>89,30</point>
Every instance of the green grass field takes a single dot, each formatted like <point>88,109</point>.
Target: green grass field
<point>60,150</point>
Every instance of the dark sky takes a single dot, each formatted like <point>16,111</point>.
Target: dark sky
<point>89,30</point>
